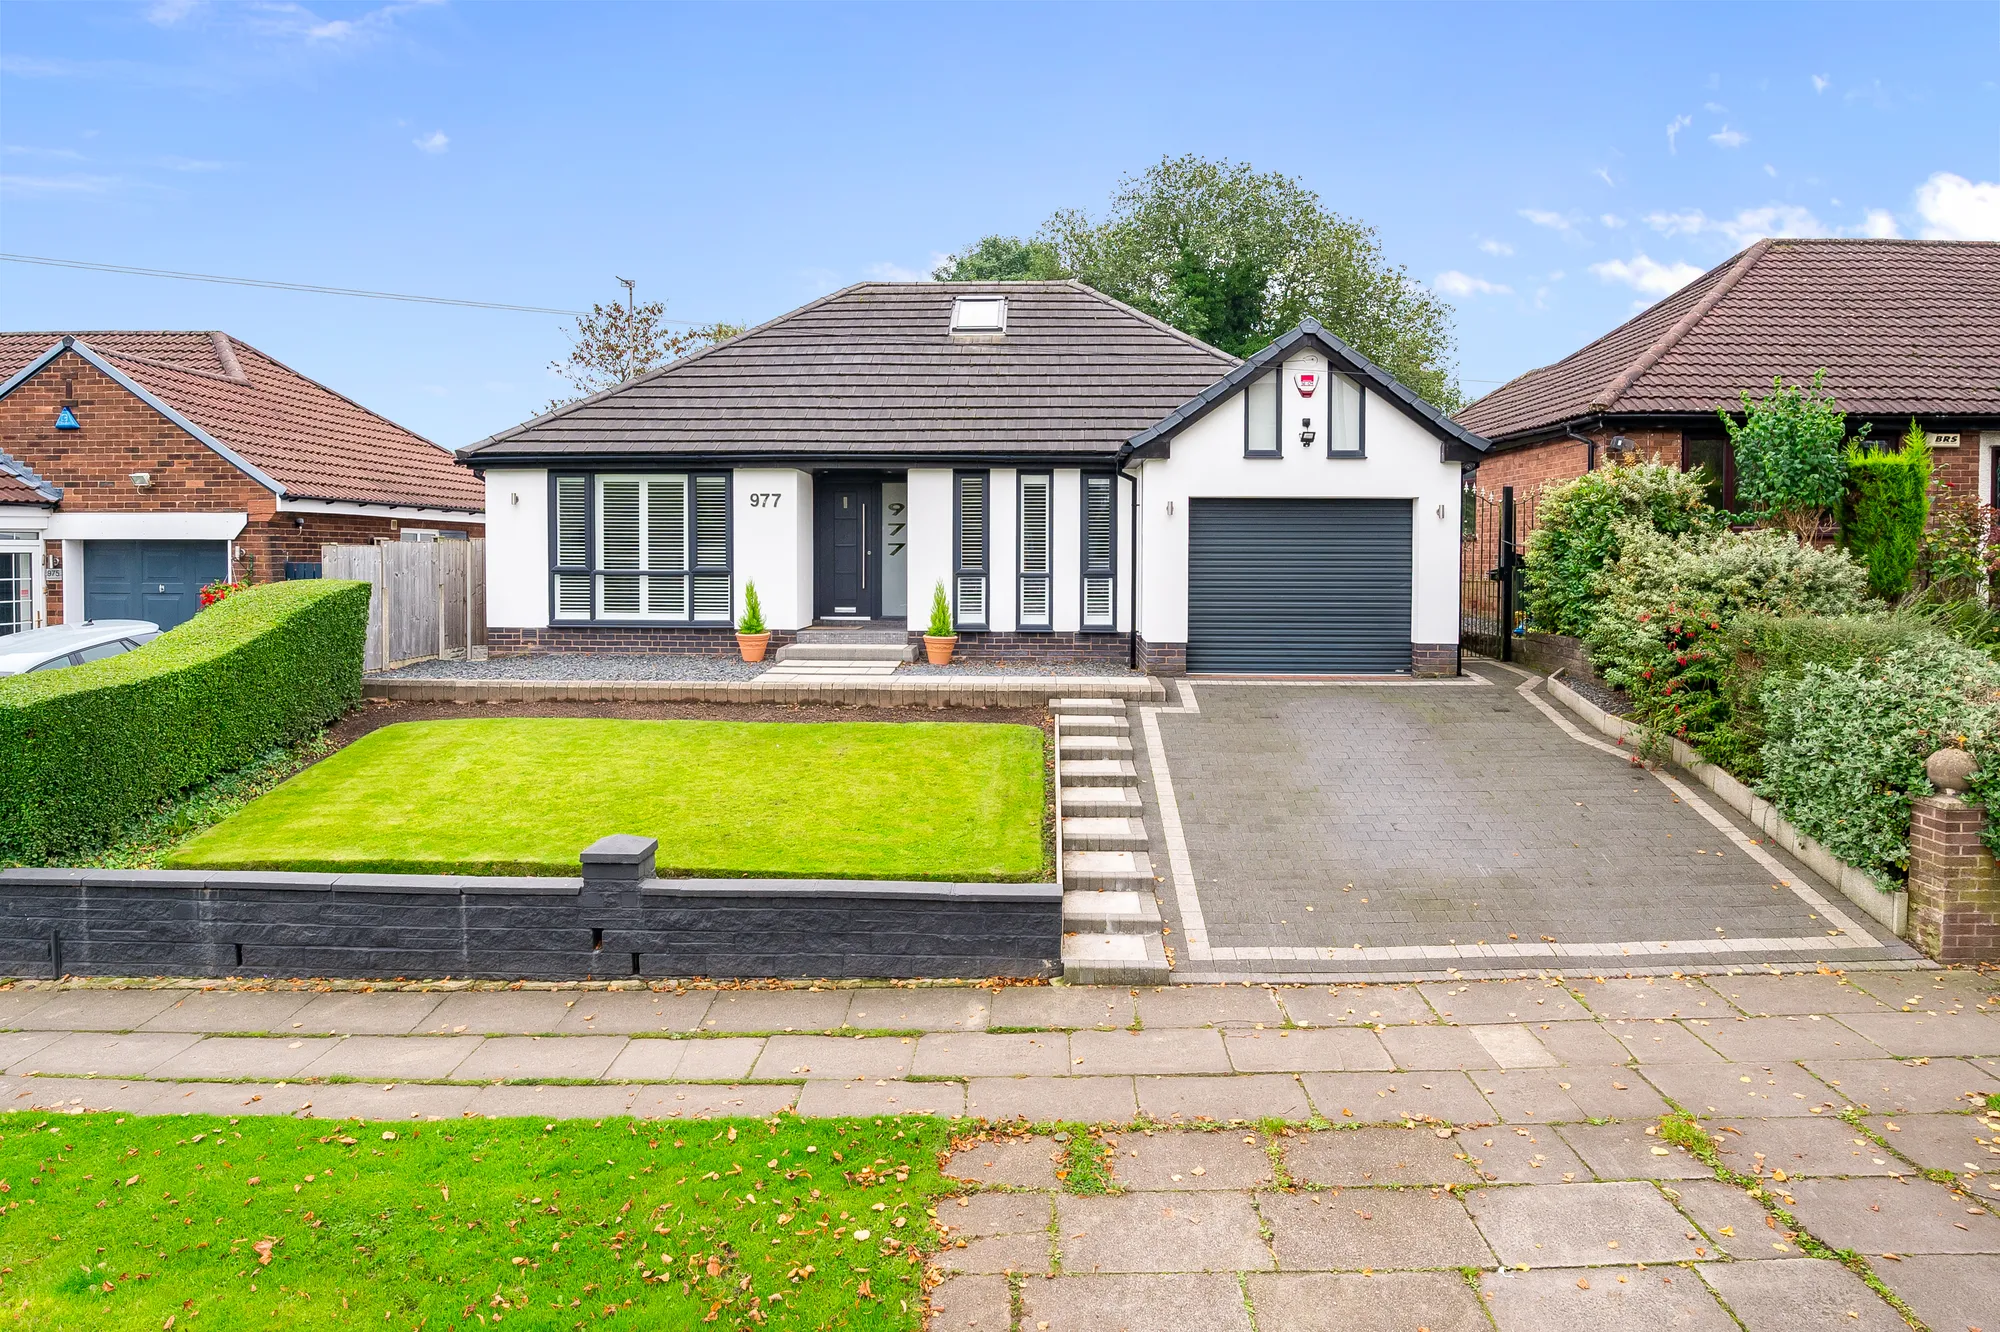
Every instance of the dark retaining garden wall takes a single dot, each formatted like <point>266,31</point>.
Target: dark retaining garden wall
<point>614,923</point>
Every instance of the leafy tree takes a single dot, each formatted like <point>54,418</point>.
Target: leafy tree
<point>1236,257</point>
<point>1791,454</point>
<point>1000,259</point>
<point>1580,528</point>
<point>614,343</point>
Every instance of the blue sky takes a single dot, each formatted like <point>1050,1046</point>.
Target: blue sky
<point>1549,168</point>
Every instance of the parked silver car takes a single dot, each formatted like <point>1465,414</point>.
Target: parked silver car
<point>72,644</point>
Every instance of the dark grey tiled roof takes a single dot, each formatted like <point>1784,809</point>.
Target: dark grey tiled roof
<point>873,370</point>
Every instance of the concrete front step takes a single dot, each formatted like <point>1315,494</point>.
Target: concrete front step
<point>1087,833</point>
<point>845,651</point>
<point>1086,705</point>
<point>1095,772</point>
<point>1094,722</point>
<point>1107,869</point>
<point>1093,746</point>
<point>1090,911</point>
<point>841,633</point>
<point>1114,959</point>
<point>1092,801</point>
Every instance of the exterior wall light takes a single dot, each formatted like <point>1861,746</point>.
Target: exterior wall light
<point>143,480</point>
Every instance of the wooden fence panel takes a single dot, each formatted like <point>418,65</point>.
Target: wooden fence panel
<point>428,601</point>
<point>363,563</point>
<point>475,598</point>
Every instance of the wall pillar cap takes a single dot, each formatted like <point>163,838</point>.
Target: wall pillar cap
<point>621,849</point>
<point>1950,771</point>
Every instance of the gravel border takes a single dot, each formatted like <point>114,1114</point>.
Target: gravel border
<point>581,666</point>
<point>1017,668</point>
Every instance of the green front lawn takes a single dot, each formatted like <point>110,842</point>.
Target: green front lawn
<point>523,795</point>
<point>112,1223</point>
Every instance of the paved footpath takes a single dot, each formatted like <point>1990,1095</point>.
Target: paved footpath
<point>1447,1156</point>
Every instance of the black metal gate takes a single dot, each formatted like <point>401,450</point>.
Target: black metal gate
<point>1491,614</point>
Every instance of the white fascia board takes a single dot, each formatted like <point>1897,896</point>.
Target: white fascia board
<point>24,517</point>
<point>67,526</point>
<point>353,509</point>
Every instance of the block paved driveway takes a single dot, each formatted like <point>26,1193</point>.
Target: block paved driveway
<point>1452,1156</point>
<point>1404,828</point>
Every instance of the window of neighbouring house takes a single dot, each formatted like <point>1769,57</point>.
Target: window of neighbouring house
<point>1037,550</point>
<point>17,591</point>
<point>969,491</point>
<point>641,548</point>
<point>1262,406</point>
<point>1713,453</point>
<point>1100,551</point>
<point>1346,417</point>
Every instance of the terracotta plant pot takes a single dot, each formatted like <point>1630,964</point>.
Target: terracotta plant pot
<point>939,649</point>
<point>752,645</point>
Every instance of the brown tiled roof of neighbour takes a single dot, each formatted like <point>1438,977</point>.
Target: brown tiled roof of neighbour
<point>875,370</point>
<point>21,484</point>
<point>1901,328</point>
<point>309,439</point>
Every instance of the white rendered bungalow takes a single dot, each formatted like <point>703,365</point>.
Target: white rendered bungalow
<point>1085,481</point>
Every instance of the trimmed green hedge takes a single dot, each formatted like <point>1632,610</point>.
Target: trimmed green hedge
<point>1888,507</point>
<point>84,751</point>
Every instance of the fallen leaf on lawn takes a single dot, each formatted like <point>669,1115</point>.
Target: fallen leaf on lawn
<point>263,1248</point>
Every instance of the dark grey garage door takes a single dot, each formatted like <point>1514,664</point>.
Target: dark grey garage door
<point>1298,586</point>
<point>159,581</point>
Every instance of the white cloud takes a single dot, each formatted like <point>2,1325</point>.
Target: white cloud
<point>166,13</point>
<point>1604,174</point>
<point>26,150</point>
<point>1648,275</point>
<point>1674,127</point>
<point>1729,138</point>
<point>1454,283</point>
<point>174,163</point>
<point>1496,247</point>
<point>1954,208</point>
<point>888,272</point>
<point>1770,171</point>
<point>1542,217</point>
<point>71,184</point>
<point>1821,83</point>
<point>1715,108</point>
<point>434,142</point>
<point>1612,220</point>
<point>1880,223</point>
<point>1748,225</point>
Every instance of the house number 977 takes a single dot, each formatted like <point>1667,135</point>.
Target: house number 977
<point>764,500</point>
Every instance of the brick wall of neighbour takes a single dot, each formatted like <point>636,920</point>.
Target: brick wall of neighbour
<point>1528,466</point>
<point>1433,659</point>
<point>1954,882</point>
<point>640,640</point>
<point>1162,658</point>
<point>1031,648</point>
<point>1956,471</point>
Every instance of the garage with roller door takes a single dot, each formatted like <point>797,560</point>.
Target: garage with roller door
<point>1299,586</point>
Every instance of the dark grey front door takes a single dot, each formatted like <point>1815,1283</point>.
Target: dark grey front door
<point>159,581</point>
<point>1298,586</point>
<point>847,564</point>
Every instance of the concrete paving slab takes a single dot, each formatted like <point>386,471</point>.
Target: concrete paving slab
<point>1161,1232</point>
<point>393,1058</point>
<point>1578,1042</point>
<point>1799,1147</point>
<point>16,1046</point>
<point>402,1101</point>
<point>1567,1095</point>
<point>1063,1006</point>
<point>650,1059</point>
<point>1355,1005</point>
<point>1600,1301</point>
<point>229,1010</point>
<point>1375,1302</point>
<point>358,1014</point>
<point>942,1008</point>
<point>1209,1006</point>
<point>75,1095</point>
<point>1436,1047</point>
<point>1800,1294</point>
<point>1580,1226</point>
<point>1652,997</point>
<point>1352,1229</point>
<point>1363,1156</point>
<point>552,1102</point>
<point>519,1058</point>
<point>1383,1098</point>
<point>16,1004</point>
<point>261,1057</point>
<point>1017,1163</point>
<point>1889,1087</point>
<point>1057,1100</point>
<point>712,1102</point>
<point>1731,1221</point>
<point>996,1232</point>
<point>1170,1050</point>
<point>106,1055</point>
<point>1948,1293</point>
<point>623,1012</point>
<point>1902,1216</point>
<point>836,1057</point>
<point>1966,1145</point>
<point>1183,1160</point>
<point>96,1010</point>
<point>501,1012</point>
<point>1809,1037</point>
<point>225,1098</point>
<point>1521,1154</point>
<point>971,1304</point>
<point>776,1010</point>
<point>1660,1041</point>
<point>1795,992</point>
<point>1740,1090</point>
<point>1625,1151</point>
<point>975,1053</point>
<point>1238,1097</point>
<point>1170,1303</point>
<point>1925,991</point>
<point>715,1058</point>
<point>823,1099</point>
<point>1503,1001</point>
<point>1908,1035</point>
<point>1329,1050</point>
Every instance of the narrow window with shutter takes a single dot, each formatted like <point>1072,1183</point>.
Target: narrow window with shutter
<point>1262,406</point>
<point>969,549</point>
<point>1037,543</point>
<point>570,507</point>
<point>1100,552</point>
<point>712,600</point>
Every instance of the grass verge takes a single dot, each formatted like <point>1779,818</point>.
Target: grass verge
<point>117,1222</point>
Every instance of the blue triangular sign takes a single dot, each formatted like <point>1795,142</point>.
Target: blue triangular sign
<point>66,420</point>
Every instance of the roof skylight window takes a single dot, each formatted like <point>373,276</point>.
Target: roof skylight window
<point>979,314</point>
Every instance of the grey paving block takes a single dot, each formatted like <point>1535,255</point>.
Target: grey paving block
<point>1660,1041</point>
<point>386,1058</point>
<point>1567,1095</point>
<point>776,1010</point>
<point>1948,1293</point>
<point>1795,992</point>
<point>1052,1100</point>
<point>521,1058</point>
<point>229,1010</point>
<point>1383,1098</point>
<point>262,1057</point>
<point>1888,1087</point>
<point>552,1102</point>
<point>1190,1160</point>
<point>1923,1033</point>
<point>836,1057</point>
<point>1027,1162</point>
<point>96,1010</point>
<point>16,1004</point>
<point>1623,1150</point>
<point>358,1014</point>
<point>715,1058</point>
<point>1731,1221</point>
<point>1743,1090</point>
<point>1503,1001</point>
<point>1966,1145</point>
<point>1793,1038</point>
<point>1352,1229</point>
<point>650,1060</point>
<point>1376,1302</point>
<point>1649,1300</point>
<point>1376,1156</point>
<point>938,1008</point>
<point>1908,1215</point>
<point>1799,1294</point>
<point>1436,1047</point>
<point>1652,997</point>
<point>1169,1050</point>
<point>1244,1097</point>
<point>976,1054</point>
<point>1520,1154</point>
<point>1355,1005</point>
<point>996,1232</point>
<point>1931,991</point>
<point>402,1101</point>
<point>1579,1042</point>
<point>1160,1232</point>
<point>1799,1147</point>
<point>971,1304</point>
<point>1068,1006</point>
<point>1581,1225</point>
<point>823,1099</point>
<point>1329,1050</point>
<point>107,1055</point>
<point>712,1102</point>
<point>18,1046</point>
<point>502,1012</point>
<point>1170,1303</point>
<point>1208,1006</point>
<point>620,1012</point>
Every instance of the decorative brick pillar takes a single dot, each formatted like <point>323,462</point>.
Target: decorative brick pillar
<point>1954,882</point>
<point>1433,659</point>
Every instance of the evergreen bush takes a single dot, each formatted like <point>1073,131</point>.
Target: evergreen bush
<point>1576,534</point>
<point>1887,509</point>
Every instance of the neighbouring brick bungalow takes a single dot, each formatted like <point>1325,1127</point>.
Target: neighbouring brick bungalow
<point>1902,328</point>
<point>135,467</point>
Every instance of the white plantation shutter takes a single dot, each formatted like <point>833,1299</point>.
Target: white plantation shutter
<point>711,548</point>
<point>667,546</point>
<point>618,543</point>
<point>969,551</point>
<point>572,547</point>
<point>1037,542</point>
<point>1100,555</point>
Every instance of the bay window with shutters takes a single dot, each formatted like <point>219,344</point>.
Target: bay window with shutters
<point>969,549</point>
<point>1100,551</point>
<point>640,549</point>
<point>1036,547</point>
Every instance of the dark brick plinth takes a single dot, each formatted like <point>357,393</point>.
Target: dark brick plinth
<point>1954,883</point>
<point>642,640</point>
<point>1162,658</point>
<point>1433,659</point>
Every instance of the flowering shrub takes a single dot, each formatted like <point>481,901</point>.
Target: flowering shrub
<point>1959,556</point>
<point>215,592</point>
<point>1577,534</point>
